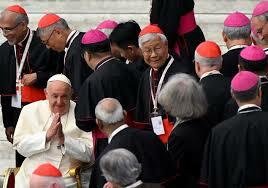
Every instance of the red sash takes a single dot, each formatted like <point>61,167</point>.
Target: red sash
<point>32,94</point>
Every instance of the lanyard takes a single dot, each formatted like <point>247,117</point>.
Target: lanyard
<point>71,41</point>
<point>20,67</point>
<point>154,99</point>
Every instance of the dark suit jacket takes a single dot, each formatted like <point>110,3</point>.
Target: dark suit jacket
<point>157,164</point>
<point>186,144</point>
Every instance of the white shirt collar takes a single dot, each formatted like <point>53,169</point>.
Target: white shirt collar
<point>209,73</point>
<point>134,184</point>
<point>69,36</point>
<point>247,106</point>
<point>237,47</point>
<point>116,131</point>
<point>265,50</point>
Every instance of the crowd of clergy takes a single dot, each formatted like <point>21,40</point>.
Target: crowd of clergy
<point>154,107</point>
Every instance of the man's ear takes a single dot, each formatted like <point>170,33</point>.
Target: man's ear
<point>224,36</point>
<point>45,91</point>
<point>240,67</point>
<point>99,123</point>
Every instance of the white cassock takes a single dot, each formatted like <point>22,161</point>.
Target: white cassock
<point>30,141</point>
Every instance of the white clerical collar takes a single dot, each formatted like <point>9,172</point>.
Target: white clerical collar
<point>127,62</point>
<point>209,73</point>
<point>265,50</point>
<point>20,43</point>
<point>237,47</point>
<point>70,36</point>
<point>247,106</point>
<point>116,131</point>
<point>134,184</point>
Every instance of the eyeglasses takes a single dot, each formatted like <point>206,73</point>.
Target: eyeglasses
<point>149,51</point>
<point>9,29</point>
<point>45,42</point>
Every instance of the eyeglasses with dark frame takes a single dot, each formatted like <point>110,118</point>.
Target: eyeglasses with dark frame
<point>45,42</point>
<point>9,29</point>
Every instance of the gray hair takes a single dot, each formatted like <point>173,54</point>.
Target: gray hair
<point>234,33</point>
<point>183,97</point>
<point>61,24</point>
<point>263,17</point>
<point>20,17</point>
<point>120,166</point>
<point>205,61</point>
<point>151,36</point>
<point>109,111</point>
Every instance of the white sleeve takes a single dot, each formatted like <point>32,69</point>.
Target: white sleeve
<point>78,148</point>
<point>32,144</point>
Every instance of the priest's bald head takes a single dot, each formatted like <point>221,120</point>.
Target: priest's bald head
<point>96,47</point>
<point>14,24</point>
<point>259,20</point>
<point>154,46</point>
<point>53,31</point>
<point>207,58</point>
<point>46,176</point>
<point>58,93</point>
<point>236,30</point>
<point>245,88</point>
<point>109,115</point>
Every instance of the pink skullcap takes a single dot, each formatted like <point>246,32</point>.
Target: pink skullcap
<point>208,49</point>
<point>150,29</point>
<point>236,19</point>
<point>47,169</point>
<point>244,81</point>
<point>17,9</point>
<point>253,53</point>
<point>107,24</point>
<point>260,8</point>
<point>93,36</point>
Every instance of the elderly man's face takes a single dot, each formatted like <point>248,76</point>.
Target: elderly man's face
<point>261,28</point>
<point>54,40</point>
<point>155,52</point>
<point>12,30</point>
<point>58,94</point>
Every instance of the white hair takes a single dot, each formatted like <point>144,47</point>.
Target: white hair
<point>183,97</point>
<point>151,36</point>
<point>205,61</point>
<point>46,181</point>
<point>109,111</point>
<point>120,166</point>
<point>61,24</point>
<point>234,33</point>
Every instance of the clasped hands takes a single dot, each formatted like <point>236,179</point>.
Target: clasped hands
<point>55,130</point>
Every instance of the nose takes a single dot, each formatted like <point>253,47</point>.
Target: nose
<point>153,54</point>
<point>59,100</point>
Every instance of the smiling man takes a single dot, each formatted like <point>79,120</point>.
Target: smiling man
<point>154,47</point>
<point>25,66</point>
<point>46,132</point>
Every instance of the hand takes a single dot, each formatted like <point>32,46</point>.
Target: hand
<point>53,129</point>
<point>29,79</point>
<point>10,133</point>
<point>108,185</point>
<point>60,135</point>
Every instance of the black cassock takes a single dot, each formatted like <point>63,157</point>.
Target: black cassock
<point>236,151</point>
<point>76,68</point>
<point>186,144</point>
<point>231,107</point>
<point>230,63</point>
<point>144,105</point>
<point>217,90</point>
<point>138,67</point>
<point>157,165</point>
<point>39,60</point>
<point>112,78</point>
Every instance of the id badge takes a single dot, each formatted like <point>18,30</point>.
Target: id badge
<point>157,124</point>
<point>16,99</point>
